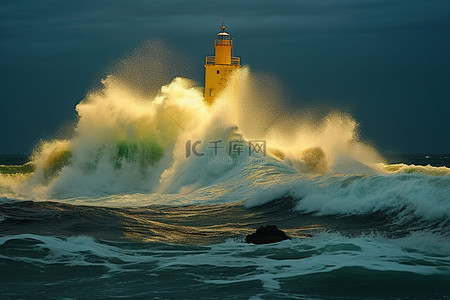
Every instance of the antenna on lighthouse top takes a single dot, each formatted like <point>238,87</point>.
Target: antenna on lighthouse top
<point>222,27</point>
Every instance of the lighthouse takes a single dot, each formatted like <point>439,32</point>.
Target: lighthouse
<point>219,67</point>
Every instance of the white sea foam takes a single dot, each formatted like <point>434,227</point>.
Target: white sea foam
<point>269,264</point>
<point>410,195</point>
<point>130,148</point>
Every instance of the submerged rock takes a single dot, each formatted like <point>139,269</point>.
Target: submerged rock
<point>266,235</point>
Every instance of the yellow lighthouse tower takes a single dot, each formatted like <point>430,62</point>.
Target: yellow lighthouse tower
<point>219,67</point>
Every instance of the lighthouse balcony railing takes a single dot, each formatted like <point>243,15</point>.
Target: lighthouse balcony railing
<point>211,60</point>
<point>223,42</point>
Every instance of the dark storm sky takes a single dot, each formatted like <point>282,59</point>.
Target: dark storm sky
<point>386,62</point>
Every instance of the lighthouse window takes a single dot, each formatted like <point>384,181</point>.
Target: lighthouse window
<point>217,71</point>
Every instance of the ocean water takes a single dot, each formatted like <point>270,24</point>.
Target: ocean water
<point>153,195</point>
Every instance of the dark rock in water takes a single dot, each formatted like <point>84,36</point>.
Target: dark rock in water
<point>266,235</point>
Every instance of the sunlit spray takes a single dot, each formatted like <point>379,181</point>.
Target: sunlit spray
<point>133,140</point>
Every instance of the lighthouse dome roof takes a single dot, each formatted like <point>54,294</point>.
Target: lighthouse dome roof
<point>223,36</point>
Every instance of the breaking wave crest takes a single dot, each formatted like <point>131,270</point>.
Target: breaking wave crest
<point>168,147</point>
<point>125,142</point>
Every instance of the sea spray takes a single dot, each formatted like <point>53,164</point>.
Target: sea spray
<point>129,139</point>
